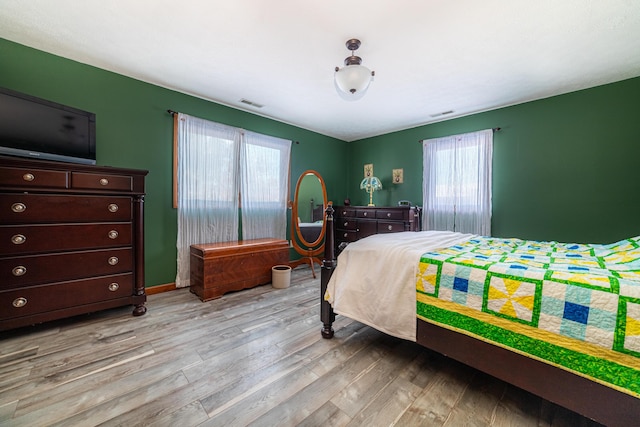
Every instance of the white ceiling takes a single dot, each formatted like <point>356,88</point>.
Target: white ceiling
<point>429,56</point>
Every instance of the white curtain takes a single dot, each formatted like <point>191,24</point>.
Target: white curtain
<point>265,186</point>
<point>216,162</point>
<point>457,183</point>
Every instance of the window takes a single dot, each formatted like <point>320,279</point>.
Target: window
<point>457,183</point>
<point>221,171</point>
<point>264,186</point>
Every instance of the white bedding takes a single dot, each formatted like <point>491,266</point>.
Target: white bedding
<point>374,281</point>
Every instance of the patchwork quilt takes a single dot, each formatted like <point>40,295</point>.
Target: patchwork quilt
<point>576,306</point>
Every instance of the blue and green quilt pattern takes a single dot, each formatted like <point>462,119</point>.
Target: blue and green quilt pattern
<point>576,306</point>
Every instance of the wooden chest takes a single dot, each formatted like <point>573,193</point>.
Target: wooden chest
<point>217,268</point>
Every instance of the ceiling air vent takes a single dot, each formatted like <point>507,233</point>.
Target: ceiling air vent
<point>444,113</point>
<point>251,103</point>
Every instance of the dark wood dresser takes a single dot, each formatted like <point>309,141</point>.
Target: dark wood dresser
<point>355,222</point>
<point>71,240</point>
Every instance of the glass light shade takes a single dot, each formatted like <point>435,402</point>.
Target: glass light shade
<point>370,184</point>
<point>353,80</point>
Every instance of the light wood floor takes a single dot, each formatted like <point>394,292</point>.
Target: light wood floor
<point>250,358</point>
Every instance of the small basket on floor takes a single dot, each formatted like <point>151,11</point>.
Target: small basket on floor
<point>280,276</point>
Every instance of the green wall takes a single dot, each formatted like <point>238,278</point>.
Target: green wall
<point>133,129</point>
<point>564,168</point>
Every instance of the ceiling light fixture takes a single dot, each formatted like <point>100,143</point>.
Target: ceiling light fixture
<point>352,80</point>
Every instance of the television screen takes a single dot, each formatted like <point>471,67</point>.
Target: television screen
<point>37,128</point>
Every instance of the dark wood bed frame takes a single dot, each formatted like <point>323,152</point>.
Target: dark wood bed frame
<point>588,398</point>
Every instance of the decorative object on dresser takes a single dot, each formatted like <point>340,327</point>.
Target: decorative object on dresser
<point>356,222</point>
<point>217,268</point>
<point>371,184</point>
<point>72,240</point>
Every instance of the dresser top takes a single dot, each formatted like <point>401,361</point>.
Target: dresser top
<point>374,207</point>
<point>20,162</point>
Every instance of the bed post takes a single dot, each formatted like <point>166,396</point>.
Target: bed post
<point>327,316</point>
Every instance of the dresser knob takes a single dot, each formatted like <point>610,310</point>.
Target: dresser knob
<point>18,207</point>
<point>104,181</point>
<point>18,239</point>
<point>389,227</point>
<point>113,286</point>
<point>113,207</point>
<point>346,234</point>
<point>346,223</point>
<point>18,271</point>
<point>28,177</point>
<point>19,302</point>
<point>113,260</point>
<point>388,214</point>
<point>365,214</point>
<point>113,234</point>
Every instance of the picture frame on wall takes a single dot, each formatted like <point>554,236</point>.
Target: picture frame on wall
<point>398,176</point>
<point>368,170</point>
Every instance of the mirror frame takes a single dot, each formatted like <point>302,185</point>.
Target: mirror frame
<point>312,248</point>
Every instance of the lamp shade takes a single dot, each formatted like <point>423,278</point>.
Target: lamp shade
<point>371,183</point>
<point>353,80</point>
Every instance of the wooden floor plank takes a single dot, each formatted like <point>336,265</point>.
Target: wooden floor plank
<point>327,415</point>
<point>478,402</point>
<point>388,405</point>
<point>435,403</point>
<point>368,385</point>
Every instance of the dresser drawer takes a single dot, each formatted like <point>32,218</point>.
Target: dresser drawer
<point>96,181</point>
<point>368,213</point>
<point>394,215</point>
<point>342,212</point>
<point>390,226</point>
<point>367,228</point>
<point>346,235</point>
<point>38,269</point>
<point>56,296</point>
<point>31,239</point>
<point>46,208</point>
<point>346,223</point>
<point>33,178</point>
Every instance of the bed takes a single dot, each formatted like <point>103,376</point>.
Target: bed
<point>514,309</point>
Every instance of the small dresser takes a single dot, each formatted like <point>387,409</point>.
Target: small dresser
<point>71,240</point>
<point>356,222</point>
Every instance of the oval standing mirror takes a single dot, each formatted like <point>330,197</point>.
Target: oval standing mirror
<point>307,219</point>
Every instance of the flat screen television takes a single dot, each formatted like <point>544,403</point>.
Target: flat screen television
<point>37,128</point>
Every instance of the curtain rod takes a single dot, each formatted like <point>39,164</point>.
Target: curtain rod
<point>493,129</point>
<point>175,112</point>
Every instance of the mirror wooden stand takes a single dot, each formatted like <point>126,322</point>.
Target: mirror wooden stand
<point>307,219</point>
